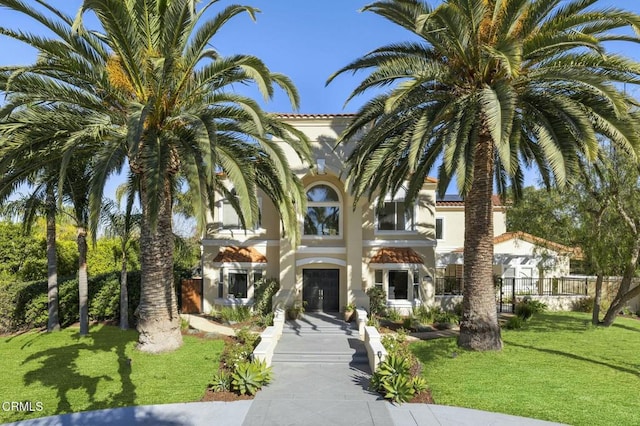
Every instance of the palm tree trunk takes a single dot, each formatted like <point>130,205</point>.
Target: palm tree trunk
<point>83,282</point>
<point>124,294</point>
<point>52,263</point>
<point>479,329</point>
<point>158,319</point>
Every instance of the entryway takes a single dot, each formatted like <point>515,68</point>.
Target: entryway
<point>321,290</point>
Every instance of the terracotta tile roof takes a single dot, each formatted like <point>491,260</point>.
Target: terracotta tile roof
<point>455,200</point>
<point>396,255</point>
<point>575,252</point>
<point>533,240</point>
<point>240,255</point>
<point>320,116</point>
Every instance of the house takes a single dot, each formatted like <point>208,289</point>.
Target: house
<point>516,254</point>
<point>343,250</point>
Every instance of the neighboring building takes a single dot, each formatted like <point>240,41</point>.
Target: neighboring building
<point>346,250</point>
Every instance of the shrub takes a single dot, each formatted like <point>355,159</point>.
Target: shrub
<point>527,307</point>
<point>393,315</point>
<point>444,317</point>
<point>221,381</point>
<point>247,337</point>
<point>235,313</point>
<point>398,389</point>
<point>377,301</point>
<point>584,305</point>
<point>235,354</point>
<point>423,314</point>
<point>249,377</point>
<point>264,291</point>
<point>395,379</point>
<point>265,320</point>
<point>514,323</point>
<point>373,322</point>
<point>24,304</point>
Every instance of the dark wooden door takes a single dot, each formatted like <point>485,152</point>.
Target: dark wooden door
<point>321,289</point>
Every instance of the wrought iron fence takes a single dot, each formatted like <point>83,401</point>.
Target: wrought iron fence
<point>561,286</point>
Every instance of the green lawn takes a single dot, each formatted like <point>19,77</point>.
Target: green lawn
<point>558,368</point>
<point>67,373</point>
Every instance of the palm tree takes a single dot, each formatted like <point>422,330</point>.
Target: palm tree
<point>150,92</point>
<point>41,200</point>
<point>489,88</point>
<point>76,191</point>
<point>124,226</point>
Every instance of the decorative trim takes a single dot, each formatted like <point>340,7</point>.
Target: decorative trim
<point>239,265</point>
<point>399,243</point>
<point>395,266</point>
<point>247,243</point>
<point>321,250</point>
<point>318,260</point>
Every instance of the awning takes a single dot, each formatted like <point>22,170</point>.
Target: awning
<point>396,255</point>
<point>240,255</point>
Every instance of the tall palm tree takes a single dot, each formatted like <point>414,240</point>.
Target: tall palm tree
<point>489,88</point>
<point>150,92</point>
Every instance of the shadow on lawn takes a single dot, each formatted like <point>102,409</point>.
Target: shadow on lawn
<point>577,357</point>
<point>58,370</point>
<point>557,322</point>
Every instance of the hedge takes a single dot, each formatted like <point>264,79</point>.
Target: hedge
<point>23,305</point>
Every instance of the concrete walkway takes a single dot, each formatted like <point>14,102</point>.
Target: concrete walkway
<point>321,377</point>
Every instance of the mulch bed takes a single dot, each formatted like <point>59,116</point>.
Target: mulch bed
<point>210,395</point>
<point>423,398</point>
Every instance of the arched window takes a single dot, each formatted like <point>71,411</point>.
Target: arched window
<point>393,215</point>
<point>323,211</point>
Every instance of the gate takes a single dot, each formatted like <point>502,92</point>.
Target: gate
<point>506,295</point>
<point>191,292</point>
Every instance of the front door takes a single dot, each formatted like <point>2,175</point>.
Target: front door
<point>320,289</point>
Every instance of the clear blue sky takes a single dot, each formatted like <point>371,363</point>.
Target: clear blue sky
<point>307,40</point>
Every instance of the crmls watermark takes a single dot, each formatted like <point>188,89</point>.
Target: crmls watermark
<point>28,406</point>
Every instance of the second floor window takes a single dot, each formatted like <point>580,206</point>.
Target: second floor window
<point>231,219</point>
<point>323,212</point>
<point>394,216</point>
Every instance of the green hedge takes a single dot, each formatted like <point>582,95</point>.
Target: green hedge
<point>23,305</point>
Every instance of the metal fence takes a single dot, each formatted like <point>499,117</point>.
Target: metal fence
<point>562,286</point>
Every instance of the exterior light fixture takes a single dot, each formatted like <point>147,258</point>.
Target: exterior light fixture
<point>379,356</point>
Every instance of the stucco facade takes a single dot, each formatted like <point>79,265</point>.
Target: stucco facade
<point>343,250</point>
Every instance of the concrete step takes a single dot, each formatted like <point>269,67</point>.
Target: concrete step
<point>320,358</point>
<point>310,331</point>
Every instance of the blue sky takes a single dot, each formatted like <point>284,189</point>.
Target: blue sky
<point>307,40</point>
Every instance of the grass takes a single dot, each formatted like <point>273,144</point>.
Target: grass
<point>68,373</point>
<point>557,368</point>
